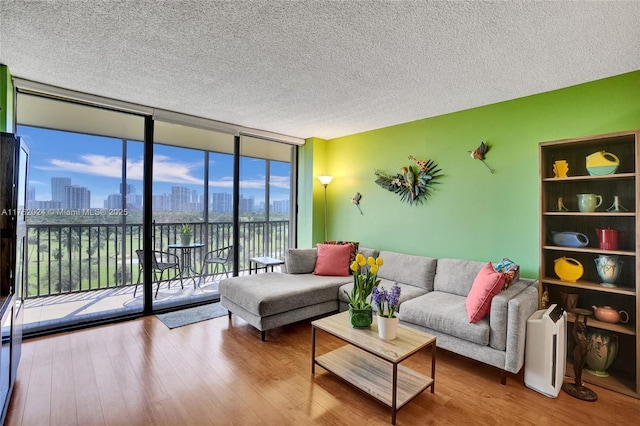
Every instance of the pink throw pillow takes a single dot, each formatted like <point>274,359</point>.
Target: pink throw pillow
<point>487,284</point>
<point>354,247</point>
<point>333,259</point>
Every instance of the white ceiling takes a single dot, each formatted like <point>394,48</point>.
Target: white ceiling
<point>317,68</point>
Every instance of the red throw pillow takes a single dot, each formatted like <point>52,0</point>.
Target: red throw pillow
<point>487,284</point>
<point>333,259</point>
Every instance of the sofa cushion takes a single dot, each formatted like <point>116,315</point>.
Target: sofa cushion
<point>275,293</point>
<point>333,259</point>
<point>408,269</point>
<point>456,275</point>
<point>487,284</point>
<point>367,252</point>
<point>300,261</point>
<point>406,291</point>
<point>446,313</point>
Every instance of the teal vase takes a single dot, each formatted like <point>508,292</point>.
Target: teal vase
<point>361,318</point>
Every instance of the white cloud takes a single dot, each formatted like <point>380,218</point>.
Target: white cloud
<point>165,169</point>
<point>99,165</point>
<point>280,181</point>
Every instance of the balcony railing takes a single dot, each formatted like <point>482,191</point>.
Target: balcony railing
<point>71,258</point>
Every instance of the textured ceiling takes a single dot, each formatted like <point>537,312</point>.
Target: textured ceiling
<point>317,68</point>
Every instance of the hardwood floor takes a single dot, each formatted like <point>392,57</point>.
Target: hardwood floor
<point>216,373</point>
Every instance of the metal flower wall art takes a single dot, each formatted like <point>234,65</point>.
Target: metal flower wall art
<point>415,182</point>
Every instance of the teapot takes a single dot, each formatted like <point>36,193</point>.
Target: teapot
<point>602,163</point>
<point>568,269</point>
<point>569,239</point>
<point>608,238</point>
<point>610,315</point>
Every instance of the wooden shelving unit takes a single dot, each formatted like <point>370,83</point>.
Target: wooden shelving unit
<point>624,373</point>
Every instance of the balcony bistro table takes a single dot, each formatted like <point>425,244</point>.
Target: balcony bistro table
<point>185,259</point>
<point>264,262</point>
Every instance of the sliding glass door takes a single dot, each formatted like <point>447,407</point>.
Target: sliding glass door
<point>192,210</point>
<point>266,191</point>
<point>83,224</point>
<point>87,210</point>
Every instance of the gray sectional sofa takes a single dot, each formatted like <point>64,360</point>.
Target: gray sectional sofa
<point>433,298</point>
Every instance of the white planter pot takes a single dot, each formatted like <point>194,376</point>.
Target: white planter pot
<point>387,327</point>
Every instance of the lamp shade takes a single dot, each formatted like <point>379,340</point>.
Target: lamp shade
<point>325,180</point>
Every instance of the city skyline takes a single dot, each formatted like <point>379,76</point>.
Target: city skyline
<point>66,195</point>
<point>96,163</point>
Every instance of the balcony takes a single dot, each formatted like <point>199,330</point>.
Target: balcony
<point>82,272</point>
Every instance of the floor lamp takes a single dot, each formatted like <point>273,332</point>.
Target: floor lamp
<point>325,180</point>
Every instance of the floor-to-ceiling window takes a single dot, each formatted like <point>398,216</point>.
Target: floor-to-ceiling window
<point>265,195</point>
<point>191,167</point>
<point>87,199</point>
<point>83,211</point>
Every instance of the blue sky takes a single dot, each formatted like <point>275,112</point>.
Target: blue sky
<point>96,163</point>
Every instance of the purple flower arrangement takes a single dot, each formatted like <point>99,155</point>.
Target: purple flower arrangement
<point>386,301</point>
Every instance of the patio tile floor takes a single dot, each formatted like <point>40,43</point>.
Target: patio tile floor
<point>50,312</point>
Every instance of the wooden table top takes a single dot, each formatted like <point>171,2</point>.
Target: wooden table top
<point>407,342</point>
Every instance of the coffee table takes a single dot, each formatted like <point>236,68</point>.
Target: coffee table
<point>372,364</point>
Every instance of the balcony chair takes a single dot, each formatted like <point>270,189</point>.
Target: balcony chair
<point>161,261</point>
<point>221,258</point>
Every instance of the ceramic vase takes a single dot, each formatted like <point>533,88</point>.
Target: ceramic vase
<point>360,318</point>
<point>388,327</point>
<point>603,348</point>
<point>185,239</point>
<point>608,268</point>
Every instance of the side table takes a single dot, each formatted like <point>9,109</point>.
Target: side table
<point>264,262</point>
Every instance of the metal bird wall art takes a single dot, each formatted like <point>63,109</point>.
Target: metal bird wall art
<point>479,153</point>
<point>356,200</point>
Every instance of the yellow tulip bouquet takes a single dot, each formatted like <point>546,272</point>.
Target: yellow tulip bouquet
<point>365,278</point>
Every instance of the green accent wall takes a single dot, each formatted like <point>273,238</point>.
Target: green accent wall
<point>474,214</point>
<point>6,100</point>
<point>311,164</point>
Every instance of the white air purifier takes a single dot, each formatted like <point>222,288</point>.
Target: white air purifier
<point>546,351</point>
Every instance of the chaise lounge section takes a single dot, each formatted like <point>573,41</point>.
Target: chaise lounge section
<point>275,299</point>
